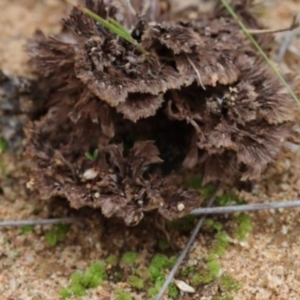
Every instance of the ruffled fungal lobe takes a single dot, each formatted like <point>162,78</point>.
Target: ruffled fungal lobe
<point>202,103</point>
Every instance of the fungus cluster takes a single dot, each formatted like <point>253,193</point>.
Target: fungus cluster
<point>124,131</point>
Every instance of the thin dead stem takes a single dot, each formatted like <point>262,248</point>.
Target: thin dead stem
<point>132,10</point>
<point>285,45</point>
<point>260,50</point>
<point>18,223</point>
<point>197,72</point>
<point>245,208</point>
<point>184,252</point>
<point>295,24</point>
<point>198,211</point>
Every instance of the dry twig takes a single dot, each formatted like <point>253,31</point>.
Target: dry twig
<point>295,24</point>
<point>244,208</point>
<point>184,252</point>
<point>285,45</point>
<point>37,222</point>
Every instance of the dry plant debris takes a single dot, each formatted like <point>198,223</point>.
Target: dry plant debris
<point>15,104</point>
<point>123,130</point>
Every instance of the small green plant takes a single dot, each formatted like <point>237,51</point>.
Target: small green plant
<point>220,244</point>
<point>217,226</point>
<point>173,291</point>
<point>26,229</point>
<point>228,284</point>
<point>214,268</point>
<point>196,280</point>
<point>154,290</point>
<point>114,27</point>
<point>155,273</point>
<point>3,146</point>
<point>129,258</point>
<point>228,198</point>
<point>244,226</point>
<point>207,275</point>
<point>112,260</point>
<point>92,155</point>
<point>120,295</point>
<point>161,261</point>
<point>94,275</point>
<point>156,269</point>
<point>56,235</point>
<point>223,298</point>
<point>91,278</point>
<point>136,282</point>
<point>205,191</point>
<point>66,293</point>
<point>189,270</point>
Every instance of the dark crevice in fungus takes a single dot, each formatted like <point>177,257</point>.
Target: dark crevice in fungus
<point>203,103</point>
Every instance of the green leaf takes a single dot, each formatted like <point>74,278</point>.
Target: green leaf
<point>116,28</point>
<point>92,156</point>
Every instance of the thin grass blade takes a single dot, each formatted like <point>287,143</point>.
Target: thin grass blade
<point>259,49</point>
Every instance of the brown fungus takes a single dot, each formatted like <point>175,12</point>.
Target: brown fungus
<point>202,103</point>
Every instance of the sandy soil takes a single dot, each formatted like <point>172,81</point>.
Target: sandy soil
<point>267,264</point>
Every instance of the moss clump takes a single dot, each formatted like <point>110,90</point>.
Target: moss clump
<point>136,282</point>
<point>91,278</point>
<point>196,183</point>
<point>161,261</point>
<point>208,223</point>
<point>196,280</point>
<point>244,226</point>
<point>221,243</point>
<point>156,269</point>
<point>173,291</point>
<point>228,198</point>
<point>188,270</point>
<point>65,293</point>
<point>56,235</point>
<point>214,268</point>
<point>129,258</point>
<point>228,284</point>
<point>94,275</point>
<point>120,295</point>
<point>112,260</point>
<point>154,290</point>
<point>154,273</point>
<point>26,229</point>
